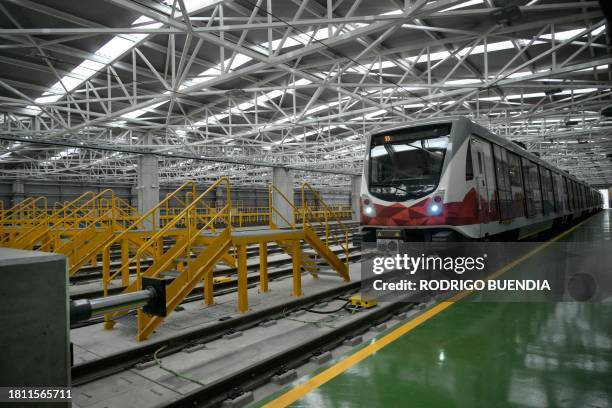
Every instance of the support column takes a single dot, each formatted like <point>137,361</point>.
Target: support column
<point>18,192</point>
<point>296,255</point>
<point>209,284</point>
<point>148,183</point>
<point>220,196</point>
<point>283,180</point>
<point>355,197</point>
<point>263,266</point>
<point>243,284</point>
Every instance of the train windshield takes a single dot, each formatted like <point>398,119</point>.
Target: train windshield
<point>407,165</point>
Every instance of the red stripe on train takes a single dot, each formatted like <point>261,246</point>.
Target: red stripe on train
<point>456,213</point>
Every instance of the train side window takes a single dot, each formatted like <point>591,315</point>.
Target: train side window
<point>469,167</point>
<point>568,199</point>
<point>558,191</point>
<point>553,185</point>
<point>543,189</point>
<point>480,169</point>
<point>528,189</point>
<point>576,198</point>
<point>504,190</point>
<point>534,184</point>
<point>547,190</point>
<point>517,194</point>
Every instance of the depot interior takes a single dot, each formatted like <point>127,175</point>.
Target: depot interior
<point>186,192</point>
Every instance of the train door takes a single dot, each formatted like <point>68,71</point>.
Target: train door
<point>482,157</point>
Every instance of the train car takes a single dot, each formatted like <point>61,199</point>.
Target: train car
<point>455,180</point>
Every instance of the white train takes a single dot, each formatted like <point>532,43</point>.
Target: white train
<point>453,179</point>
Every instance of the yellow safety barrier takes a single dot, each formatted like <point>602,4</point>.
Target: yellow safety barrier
<point>175,253</point>
<point>136,234</point>
<point>195,269</point>
<point>72,217</point>
<point>309,216</point>
<point>249,216</point>
<point>186,245</point>
<point>18,220</point>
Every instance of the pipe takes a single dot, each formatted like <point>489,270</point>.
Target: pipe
<point>84,309</point>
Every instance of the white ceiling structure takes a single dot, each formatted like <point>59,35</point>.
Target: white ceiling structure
<point>237,87</point>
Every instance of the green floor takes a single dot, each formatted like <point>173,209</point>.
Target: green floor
<point>490,355</point>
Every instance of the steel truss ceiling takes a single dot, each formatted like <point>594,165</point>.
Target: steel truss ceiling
<point>236,87</point>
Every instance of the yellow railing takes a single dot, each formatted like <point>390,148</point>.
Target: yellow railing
<point>147,222</point>
<point>308,216</point>
<point>75,216</point>
<point>26,210</point>
<point>21,217</point>
<point>272,210</point>
<point>68,217</point>
<point>192,231</point>
<point>245,216</point>
<point>343,212</point>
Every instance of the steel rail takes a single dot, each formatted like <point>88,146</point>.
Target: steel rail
<point>260,372</point>
<point>95,369</point>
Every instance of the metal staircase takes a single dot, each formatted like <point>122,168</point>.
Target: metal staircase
<point>197,246</point>
<point>310,219</point>
<point>190,244</point>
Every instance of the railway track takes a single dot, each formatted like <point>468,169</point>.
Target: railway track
<point>243,380</point>
<point>236,385</point>
<point>123,360</point>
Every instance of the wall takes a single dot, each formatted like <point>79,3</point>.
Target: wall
<point>57,192</point>
<point>247,197</point>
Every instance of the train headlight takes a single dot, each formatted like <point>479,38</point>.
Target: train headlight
<point>369,211</point>
<point>437,204</point>
<point>368,207</point>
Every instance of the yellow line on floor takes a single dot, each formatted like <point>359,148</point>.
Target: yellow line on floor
<point>302,389</point>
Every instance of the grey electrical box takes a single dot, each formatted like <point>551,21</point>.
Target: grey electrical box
<point>34,326</point>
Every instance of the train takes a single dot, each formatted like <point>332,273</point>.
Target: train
<point>453,179</point>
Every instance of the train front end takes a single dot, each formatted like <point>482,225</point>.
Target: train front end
<point>413,185</point>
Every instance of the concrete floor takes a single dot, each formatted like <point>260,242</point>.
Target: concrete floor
<point>150,385</point>
<point>491,354</point>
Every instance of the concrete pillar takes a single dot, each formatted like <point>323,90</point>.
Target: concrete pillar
<point>134,196</point>
<point>148,183</point>
<point>355,197</point>
<point>18,190</point>
<point>220,196</point>
<point>283,180</point>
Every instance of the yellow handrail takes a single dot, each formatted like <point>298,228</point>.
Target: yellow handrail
<point>20,217</point>
<point>186,211</point>
<point>71,213</point>
<point>68,204</point>
<point>271,189</point>
<point>106,276</point>
<point>26,215</point>
<point>18,205</point>
<point>306,186</point>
